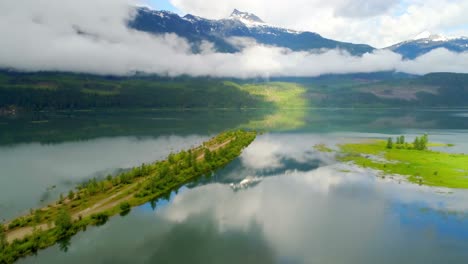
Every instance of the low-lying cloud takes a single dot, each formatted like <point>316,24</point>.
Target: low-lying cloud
<point>92,37</point>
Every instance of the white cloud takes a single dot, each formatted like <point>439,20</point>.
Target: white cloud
<point>271,151</point>
<point>91,36</point>
<point>440,60</point>
<point>363,8</point>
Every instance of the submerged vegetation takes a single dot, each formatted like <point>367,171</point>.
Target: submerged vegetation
<point>414,160</point>
<point>93,202</point>
<point>323,148</point>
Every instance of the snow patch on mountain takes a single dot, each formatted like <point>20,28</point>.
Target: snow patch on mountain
<point>426,42</point>
<point>246,18</point>
<point>427,36</point>
<point>252,21</point>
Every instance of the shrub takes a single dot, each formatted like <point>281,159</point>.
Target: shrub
<point>71,195</point>
<point>124,206</point>
<point>100,218</point>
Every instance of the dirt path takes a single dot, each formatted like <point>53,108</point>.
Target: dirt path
<point>24,231</point>
<point>100,206</point>
<point>215,148</point>
<point>104,204</point>
<point>96,208</point>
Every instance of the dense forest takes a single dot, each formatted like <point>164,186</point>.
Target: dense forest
<point>383,90</point>
<point>453,89</point>
<point>60,91</point>
<point>67,91</point>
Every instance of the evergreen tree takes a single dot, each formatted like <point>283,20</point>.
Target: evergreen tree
<point>208,155</point>
<point>171,158</point>
<point>164,171</point>
<point>63,222</point>
<point>125,206</point>
<point>402,139</point>
<point>3,239</point>
<point>36,239</point>
<point>398,140</point>
<point>37,216</point>
<point>189,158</point>
<point>423,142</point>
<point>416,143</point>
<point>71,195</point>
<point>390,143</point>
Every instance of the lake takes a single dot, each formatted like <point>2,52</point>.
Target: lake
<point>281,201</point>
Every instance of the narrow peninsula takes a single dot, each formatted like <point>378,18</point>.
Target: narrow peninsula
<point>94,201</point>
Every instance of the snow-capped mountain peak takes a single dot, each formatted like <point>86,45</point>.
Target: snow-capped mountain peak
<point>246,18</point>
<point>222,32</point>
<point>423,35</point>
<point>428,36</point>
<point>426,42</point>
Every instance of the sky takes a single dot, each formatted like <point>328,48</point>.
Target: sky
<point>92,36</point>
<point>380,23</point>
<point>163,5</point>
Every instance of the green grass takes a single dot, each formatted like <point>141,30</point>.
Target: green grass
<point>283,95</point>
<point>288,99</point>
<point>423,167</point>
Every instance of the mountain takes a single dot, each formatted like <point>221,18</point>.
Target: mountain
<point>246,18</point>
<point>239,24</point>
<point>426,42</point>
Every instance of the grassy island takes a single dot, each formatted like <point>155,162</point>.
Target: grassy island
<point>94,201</point>
<point>414,160</point>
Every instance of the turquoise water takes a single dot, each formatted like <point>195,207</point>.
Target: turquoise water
<point>279,202</point>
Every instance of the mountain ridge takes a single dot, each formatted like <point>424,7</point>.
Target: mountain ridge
<point>426,42</point>
<point>197,29</point>
<point>240,24</point>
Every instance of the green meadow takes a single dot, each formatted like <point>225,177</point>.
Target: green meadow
<point>425,167</point>
<point>289,101</point>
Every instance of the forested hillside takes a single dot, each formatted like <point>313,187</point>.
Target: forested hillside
<point>67,91</point>
<point>39,91</point>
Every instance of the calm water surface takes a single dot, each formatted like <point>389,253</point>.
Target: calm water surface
<point>279,202</point>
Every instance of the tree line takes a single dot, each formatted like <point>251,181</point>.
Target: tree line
<point>419,143</point>
<point>74,91</point>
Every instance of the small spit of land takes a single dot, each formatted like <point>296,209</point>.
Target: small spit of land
<point>414,160</point>
<point>93,202</point>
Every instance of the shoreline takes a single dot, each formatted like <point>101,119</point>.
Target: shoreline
<point>95,201</point>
